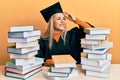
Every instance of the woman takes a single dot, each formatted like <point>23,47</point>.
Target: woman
<point>56,40</point>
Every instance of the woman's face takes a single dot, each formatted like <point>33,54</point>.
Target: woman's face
<point>59,21</point>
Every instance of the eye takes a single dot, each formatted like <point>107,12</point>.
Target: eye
<point>58,18</point>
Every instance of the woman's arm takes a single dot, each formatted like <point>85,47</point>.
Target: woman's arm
<point>71,17</point>
<point>82,24</point>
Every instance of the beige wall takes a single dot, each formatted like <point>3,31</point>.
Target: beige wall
<point>101,13</point>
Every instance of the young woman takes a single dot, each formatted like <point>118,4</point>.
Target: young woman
<point>56,40</point>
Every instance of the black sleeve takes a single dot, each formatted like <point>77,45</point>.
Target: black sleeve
<point>92,26</point>
<point>41,51</point>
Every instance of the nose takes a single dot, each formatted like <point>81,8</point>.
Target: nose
<point>63,21</point>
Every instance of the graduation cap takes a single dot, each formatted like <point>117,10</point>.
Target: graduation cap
<point>49,11</point>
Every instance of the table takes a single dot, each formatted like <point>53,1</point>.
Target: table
<point>114,74</point>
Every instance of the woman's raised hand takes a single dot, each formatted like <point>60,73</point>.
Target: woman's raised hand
<point>70,16</point>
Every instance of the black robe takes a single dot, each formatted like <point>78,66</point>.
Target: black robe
<point>72,46</point>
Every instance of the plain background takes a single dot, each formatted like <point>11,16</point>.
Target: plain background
<point>100,13</point>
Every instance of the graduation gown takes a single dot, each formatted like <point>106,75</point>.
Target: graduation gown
<point>72,46</point>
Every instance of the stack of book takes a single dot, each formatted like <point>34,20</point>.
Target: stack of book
<point>23,62</point>
<point>63,68</point>
<point>95,58</point>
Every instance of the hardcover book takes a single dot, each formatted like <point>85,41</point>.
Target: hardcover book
<point>22,72</point>
<point>60,70</point>
<point>101,46</point>
<point>61,61</point>
<point>38,61</point>
<point>26,44</point>
<point>97,51</point>
<point>12,49</point>
<point>96,63</point>
<point>98,69</point>
<point>29,39</point>
<point>96,37</point>
<point>21,28</point>
<point>97,30</point>
<point>24,34</point>
<point>21,76</point>
<point>105,74</point>
<point>23,56</point>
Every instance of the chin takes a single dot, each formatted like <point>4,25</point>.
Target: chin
<point>61,29</point>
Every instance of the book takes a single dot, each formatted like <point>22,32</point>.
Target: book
<point>21,76</point>
<point>93,42</point>
<point>97,51</point>
<point>98,69</point>
<point>12,49</point>
<point>29,39</point>
<point>96,37</point>
<point>60,70</point>
<point>97,56</point>
<point>101,46</point>
<point>21,28</point>
<point>96,63</point>
<point>105,74</point>
<point>94,56</point>
<point>71,76</point>
<point>23,56</point>
<point>23,72</point>
<point>38,61</point>
<point>24,34</point>
<point>54,74</point>
<point>97,30</point>
<point>23,61</point>
<point>61,61</point>
<point>26,44</point>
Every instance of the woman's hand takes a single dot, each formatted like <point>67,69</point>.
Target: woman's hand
<point>48,62</point>
<point>70,16</point>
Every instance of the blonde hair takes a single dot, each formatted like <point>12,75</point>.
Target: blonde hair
<point>50,31</point>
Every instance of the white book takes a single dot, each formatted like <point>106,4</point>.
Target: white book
<point>24,34</point>
<point>23,72</point>
<point>96,37</point>
<point>105,74</point>
<point>97,56</point>
<point>38,61</point>
<point>98,69</point>
<point>12,49</point>
<point>21,28</point>
<point>23,56</point>
<point>29,39</point>
<point>97,51</point>
<point>26,44</point>
<point>97,30</point>
<point>24,77</point>
<point>93,42</point>
<point>101,46</point>
<point>24,61</point>
<point>71,76</point>
<point>96,63</point>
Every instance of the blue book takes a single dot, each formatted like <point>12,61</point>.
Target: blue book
<point>67,70</point>
<point>98,51</point>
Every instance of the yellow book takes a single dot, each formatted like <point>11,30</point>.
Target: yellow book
<point>61,61</point>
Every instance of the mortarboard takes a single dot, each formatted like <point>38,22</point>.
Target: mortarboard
<point>49,11</point>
